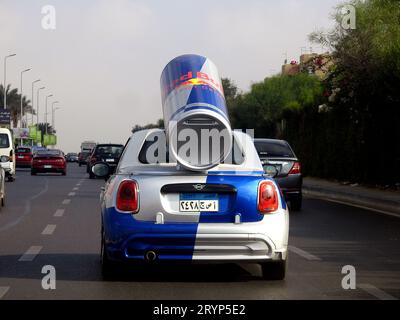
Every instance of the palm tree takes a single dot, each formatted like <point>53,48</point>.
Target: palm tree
<point>50,130</point>
<point>14,103</point>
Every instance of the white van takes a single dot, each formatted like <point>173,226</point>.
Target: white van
<point>7,154</point>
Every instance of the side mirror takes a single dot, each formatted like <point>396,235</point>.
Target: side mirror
<point>101,170</point>
<point>270,170</point>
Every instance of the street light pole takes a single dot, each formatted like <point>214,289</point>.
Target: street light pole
<point>22,112</point>
<point>45,122</point>
<point>52,113</point>
<point>33,84</point>
<point>37,106</point>
<point>5,78</point>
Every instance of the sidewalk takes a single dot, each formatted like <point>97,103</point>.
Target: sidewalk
<point>353,194</point>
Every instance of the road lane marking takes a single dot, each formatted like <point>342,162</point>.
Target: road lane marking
<point>27,209</point>
<point>59,212</point>
<point>376,292</point>
<point>354,205</point>
<point>3,291</point>
<point>304,254</point>
<point>66,201</point>
<point>75,189</point>
<point>31,253</point>
<point>49,229</point>
<point>71,194</point>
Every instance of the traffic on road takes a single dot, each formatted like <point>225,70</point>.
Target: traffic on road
<point>200,158</point>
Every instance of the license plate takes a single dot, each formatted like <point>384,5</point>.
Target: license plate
<point>21,157</point>
<point>47,167</point>
<point>109,160</point>
<point>192,202</point>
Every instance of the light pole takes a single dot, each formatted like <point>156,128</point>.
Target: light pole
<point>52,112</point>
<point>5,78</point>
<point>22,112</point>
<point>37,106</point>
<point>33,99</point>
<point>45,122</point>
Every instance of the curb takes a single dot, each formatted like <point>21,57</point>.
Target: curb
<point>377,204</point>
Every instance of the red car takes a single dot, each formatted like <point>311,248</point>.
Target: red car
<point>45,161</point>
<point>23,157</point>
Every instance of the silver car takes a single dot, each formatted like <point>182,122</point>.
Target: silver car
<point>158,211</point>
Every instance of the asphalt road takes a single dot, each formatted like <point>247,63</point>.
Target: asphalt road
<point>55,220</point>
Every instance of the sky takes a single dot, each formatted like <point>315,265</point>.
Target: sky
<point>104,58</point>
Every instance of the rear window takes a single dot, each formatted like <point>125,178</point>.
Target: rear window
<point>4,141</point>
<point>110,150</point>
<point>273,149</point>
<point>48,153</point>
<point>235,157</point>
<point>23,150</point>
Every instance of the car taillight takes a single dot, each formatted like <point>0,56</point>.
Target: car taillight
<point>267,197</point>
<point>296,168</point>
<point>128,196</point>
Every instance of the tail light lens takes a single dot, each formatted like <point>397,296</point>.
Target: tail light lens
<point>128,196</point>
<point>296,168</point>
<point>267,197</point>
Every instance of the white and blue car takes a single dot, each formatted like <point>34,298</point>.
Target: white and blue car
<point>160,211</point>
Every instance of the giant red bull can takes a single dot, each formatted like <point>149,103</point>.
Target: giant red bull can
<point>195,114</point>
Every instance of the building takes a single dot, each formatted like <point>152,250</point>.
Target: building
<point>311,63</point>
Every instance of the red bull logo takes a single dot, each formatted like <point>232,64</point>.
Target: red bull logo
<point>195,79</point>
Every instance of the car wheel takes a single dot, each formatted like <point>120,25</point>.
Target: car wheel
<point>10,178</point>
<point>33,173</point>
<point>296,203</point>
<point>80,164</point>
<point>274,270</point>
<point>64,173</point>
<point>108,267</point>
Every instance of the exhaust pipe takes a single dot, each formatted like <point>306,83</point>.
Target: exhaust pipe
<point>150,256</point>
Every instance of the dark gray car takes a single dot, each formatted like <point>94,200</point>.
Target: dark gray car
<point>279,154</point>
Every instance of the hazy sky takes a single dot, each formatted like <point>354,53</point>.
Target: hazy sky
<point>104,60</point>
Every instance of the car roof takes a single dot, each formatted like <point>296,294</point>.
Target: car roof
<point>270,140</point>
<point>109,144</point>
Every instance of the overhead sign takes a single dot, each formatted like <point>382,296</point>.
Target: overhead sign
<point>5,116</point>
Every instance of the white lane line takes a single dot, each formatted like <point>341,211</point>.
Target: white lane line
<point>376,292</point>
<point>75,189</point>
<point>27,210</point>
<point>66,201</point>
<point>49,229</point>
<point>3,291</point>
<point>71,194</point>
<point>304,254</point>
<point>59,212</point>
<point>358,206</point>
<point>31,253</point>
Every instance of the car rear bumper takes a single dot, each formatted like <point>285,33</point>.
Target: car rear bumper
<point>290,185</point>
<point>8,168</point>
<point>24,164</point>
<point>53,169</point>
<point>128,239</point>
